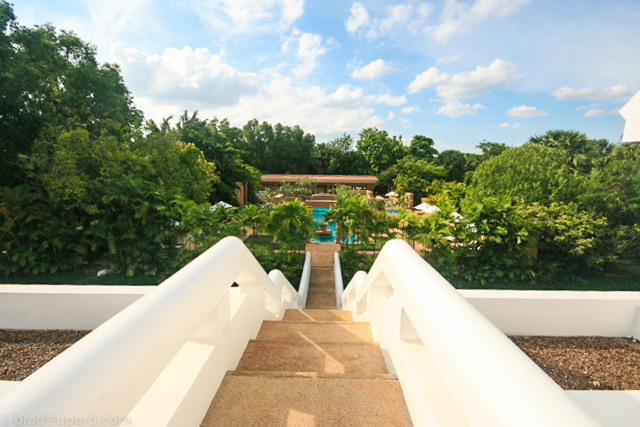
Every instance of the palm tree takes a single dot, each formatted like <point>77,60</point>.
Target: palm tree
<point>251,216</point>
<point>291,223</point>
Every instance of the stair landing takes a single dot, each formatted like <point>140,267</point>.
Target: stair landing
<point>315,368</point>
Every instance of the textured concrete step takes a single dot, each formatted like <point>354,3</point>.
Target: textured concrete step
<point>316,332</point>
<point>309,315</point>
<point>312,375</point>
<point>323,301</point>
<point>278,401</point>
<point>356,358</point>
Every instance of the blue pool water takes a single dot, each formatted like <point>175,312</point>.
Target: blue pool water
<point>317,215</point>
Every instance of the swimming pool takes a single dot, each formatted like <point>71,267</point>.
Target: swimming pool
<point>317,215</point>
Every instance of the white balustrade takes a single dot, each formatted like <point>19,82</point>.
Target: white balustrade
<point>112,368</point>
<point>337,277</point>
<point>455,367</point>
<point>303,288</point>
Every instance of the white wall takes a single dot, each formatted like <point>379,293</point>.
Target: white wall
<point>64,306</point>
<point>559,313</point>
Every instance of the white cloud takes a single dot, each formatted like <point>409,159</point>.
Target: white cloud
<point>347,109</point>
<point>458,109</point>
<point>374,70</point>
<point>458,18</point>
<point>359,18</point>
<point>467,84</point>
<point>309,48</point>
<point>409,110</point>
<point>431,77</point>
<point>110,20</point>
<point>515,126</point>
<point>190,77</point>
<point>594,112</point>
<point>391,115</point>
<point>405,17</point>
<point>565,93</point>
<point>526,112</point>
<point>448,59</point>
<point>505,125</point>
<point>586,107</point>
<point>347,96</point>
<point>241,16</point>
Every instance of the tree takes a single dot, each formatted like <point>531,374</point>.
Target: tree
<point>491,149</point>
<point>352,214</point>
<point>291,223</point>
<point>531,173</point>
<point>52,79</point>
<point>217,149</point>
<point>379,149</point>
<point>412,175</point>
<point>454,162</point>
<point>582,152</point>
<point>277,149</point>
<point>422,148</point>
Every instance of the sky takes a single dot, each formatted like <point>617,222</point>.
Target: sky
<point>457,71</point>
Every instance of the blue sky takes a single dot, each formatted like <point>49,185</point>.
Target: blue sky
<point>457,71</point>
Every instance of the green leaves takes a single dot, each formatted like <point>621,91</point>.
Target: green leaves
<point>291,223</point>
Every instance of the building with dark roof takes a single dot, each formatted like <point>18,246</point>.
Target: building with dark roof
<point>324,183</point>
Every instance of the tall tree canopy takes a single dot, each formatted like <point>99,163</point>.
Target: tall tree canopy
<point>51,78</point>
<point>379,149</point>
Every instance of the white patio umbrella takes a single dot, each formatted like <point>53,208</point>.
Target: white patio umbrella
<point>422,206</point>
<point>220,203</point>
<point>431,209</point>
<point>392,194</point>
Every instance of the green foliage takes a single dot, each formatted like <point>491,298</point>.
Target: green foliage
<point>277,149</point>
<point>52,78</point>
<point>567,234</point>
<point>353,260</point>
<point>422,148</point>
<point>491,149</point>
<point>582,152</point>
<point>379,149</point>
<point>36,237</point>
<point>531,173</point>
<point>458,164</point>
<point>291,223</point>
<point>352,213</point>
<point>290,263</point>
<point>412,175</point>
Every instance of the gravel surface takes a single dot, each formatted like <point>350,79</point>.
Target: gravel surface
<point>23,352</point>
<point>582,363</point>
<point>586,363</point>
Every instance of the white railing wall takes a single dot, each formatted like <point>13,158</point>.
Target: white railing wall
<point>455,367</point>
<point>559,313</point>
<point>189,316</point>
<point>303,288</point>
<point>337,277</point>
<point>64,306</point>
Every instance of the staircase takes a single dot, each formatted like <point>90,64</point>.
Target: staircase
<point>313,368</point>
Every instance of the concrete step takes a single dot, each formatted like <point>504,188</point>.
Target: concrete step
<point>309,315</point>
<point>312,375</point>
<point>298,401</point>
<point>321,301</point>
<point>354,358</point>
<point>316,332</point>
